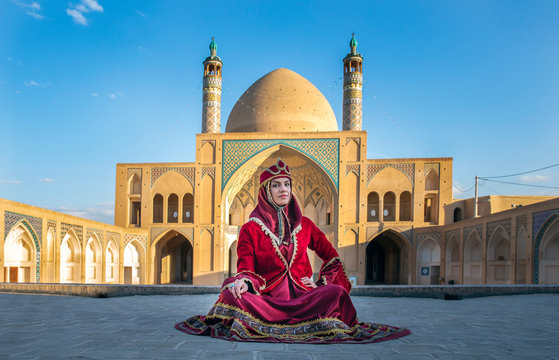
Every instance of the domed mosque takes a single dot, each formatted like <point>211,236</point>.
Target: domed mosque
<point>282,101</point>
<point>393,221</point>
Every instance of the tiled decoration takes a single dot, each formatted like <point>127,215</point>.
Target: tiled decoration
<point>77,229</point>
<point>35,227</point>
<point>208,171</point>
<point>187,172</point>
<point>407,168</point>
<point>522,221</point>
<point>478,228</point>
<point>100,234</point>
<point>432,166</point>
<point>541,221</point>
<point>142,239</point>
<point>435,235</point>
<point>352,168</point>
<point>505,223</point>
<point>115,237</point>
<point>450,234</point>
<point>325,152</point>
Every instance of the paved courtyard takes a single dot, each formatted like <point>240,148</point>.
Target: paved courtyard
<point>141,327</point>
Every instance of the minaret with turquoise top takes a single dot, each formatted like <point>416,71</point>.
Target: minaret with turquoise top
<point>353,88</point>
<point>211,100</point>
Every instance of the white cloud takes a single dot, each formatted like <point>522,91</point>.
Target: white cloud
<point>77,16</point>
<point>18,92</point>
<point>10,182</point>
<point>30,83</point>
<point>46,180</point>
<point>140,13</point>
<point>94,94</point>
<point>534,178</point>
<point>93,5</point>
<point>143,49</point>
<point>84,7</point>
<point>31,9</point>
<point>112,96</point>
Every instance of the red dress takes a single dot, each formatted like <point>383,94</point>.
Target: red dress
<point>278,307</point>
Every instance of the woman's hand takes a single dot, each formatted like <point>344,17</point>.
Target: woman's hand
<point>308,282</point>
<point>237,288</point>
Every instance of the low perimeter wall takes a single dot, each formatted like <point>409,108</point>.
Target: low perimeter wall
<point>446,292</point>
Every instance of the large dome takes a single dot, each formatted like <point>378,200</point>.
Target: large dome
<point>282,101</point>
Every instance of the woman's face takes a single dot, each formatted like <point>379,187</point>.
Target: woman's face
<point>280,189</point>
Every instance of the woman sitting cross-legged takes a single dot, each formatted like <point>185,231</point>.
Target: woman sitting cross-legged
<point>273,297</point>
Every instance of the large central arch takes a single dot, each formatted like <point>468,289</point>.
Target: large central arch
<point>387,259</point>
<point>312,187</point>
<point>172,259</point>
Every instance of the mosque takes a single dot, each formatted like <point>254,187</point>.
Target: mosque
<point>393,221</point>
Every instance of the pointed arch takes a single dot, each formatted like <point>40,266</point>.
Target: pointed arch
<point>432,180</point>
<point>428,262</point>
<point>388,258</point>
<point>546,252</point>
<point>172,258</point>
<point>523,251</point>
<point>134,185</point>
<point>498,257</point>
<point>93,260</point>
<point>20,254</point>
<point>452,266</point>
<point>472,259</point>
<point>70,258</point>
<point>111,263</point>
<point>133,262</point>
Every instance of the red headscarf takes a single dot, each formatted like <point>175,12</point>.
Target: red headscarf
<point>280,220</point>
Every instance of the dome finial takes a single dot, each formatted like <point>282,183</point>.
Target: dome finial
<point>353,44</point>
<point>213,48</point>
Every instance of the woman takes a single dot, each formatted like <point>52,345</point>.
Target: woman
<point>273,297</point>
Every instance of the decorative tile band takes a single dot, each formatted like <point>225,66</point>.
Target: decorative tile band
<point>407,168</point>
<point>435,235</point>
<point>541,222</point>
<point>505,223</point>
<point>325,152</point>
<point>77,229</point>
<point>35,227</point>
<point>12,218</point>
<point>187,172</point>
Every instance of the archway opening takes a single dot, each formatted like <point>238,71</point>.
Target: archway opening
<point>173,263</point>
<point>70,256</point>
<point>386,261</point>
<point>19,252</point>
<point>132,264</point>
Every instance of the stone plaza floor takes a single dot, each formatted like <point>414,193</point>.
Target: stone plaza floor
<point>141,327</point>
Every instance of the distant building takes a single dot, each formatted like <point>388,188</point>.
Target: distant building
<point>393,221</point>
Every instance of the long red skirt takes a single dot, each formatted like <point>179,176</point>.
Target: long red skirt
<point>289,315</point>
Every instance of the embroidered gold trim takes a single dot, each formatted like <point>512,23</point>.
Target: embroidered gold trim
<point>306,324</point>
<point>341,263</point>
<point>295,243</point>
<point>255,274</point>
<point>274,238</point>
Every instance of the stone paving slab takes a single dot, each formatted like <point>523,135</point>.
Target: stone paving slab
<point>141,327</point>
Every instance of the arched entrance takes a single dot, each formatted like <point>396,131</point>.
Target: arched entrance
<point>132,263</point>
<point>387,259</point>
<point>173,259</point>
<point>70,258</point>
<point>19,252</point>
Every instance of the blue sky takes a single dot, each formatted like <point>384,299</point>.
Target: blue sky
<point>88,84</point>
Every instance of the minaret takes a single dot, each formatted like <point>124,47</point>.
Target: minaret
<point>353,88</point>
<point>211,100</point>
